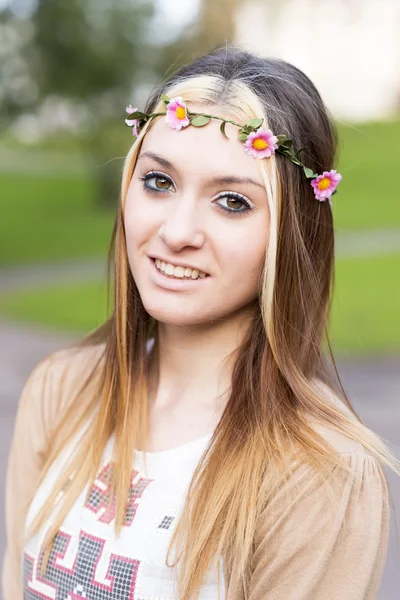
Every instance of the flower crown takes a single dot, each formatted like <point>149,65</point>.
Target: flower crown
<point>258,142</point>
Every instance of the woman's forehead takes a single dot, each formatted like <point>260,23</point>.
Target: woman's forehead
<point>201,149</point>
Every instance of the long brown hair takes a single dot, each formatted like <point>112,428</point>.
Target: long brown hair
<point>282,379</point>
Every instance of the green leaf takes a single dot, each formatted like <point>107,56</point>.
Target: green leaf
<point>287,143</point>
<point>222,128</point>
<point>200,121</point>
<point>254,123</point>
<point>300,150</point>
<point>309,173</point>
<point>165,98</point>
<point>281,139</point>
<point>137,115</point>
<point>243,137</point>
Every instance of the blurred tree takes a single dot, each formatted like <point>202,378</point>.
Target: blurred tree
<point>87,56</point>
<point>213,27</point>
<point>88,52</point>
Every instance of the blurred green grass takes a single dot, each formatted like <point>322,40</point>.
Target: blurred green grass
<point>365,311</point>
<point>364,317</point>
<point>76,307</point>
<point>50,219</point>
<point>368,159</point>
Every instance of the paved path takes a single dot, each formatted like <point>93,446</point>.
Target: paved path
<point>20,278</point>
<point>43,162</point>
<point>373,387</point>
<point>364,243</point>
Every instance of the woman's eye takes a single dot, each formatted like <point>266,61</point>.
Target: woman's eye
<point>233,204</point>
<point>159,182</point>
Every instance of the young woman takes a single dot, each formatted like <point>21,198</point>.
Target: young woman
<point>203,417</point>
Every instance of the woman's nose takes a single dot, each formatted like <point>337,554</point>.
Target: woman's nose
<point>182,226</point>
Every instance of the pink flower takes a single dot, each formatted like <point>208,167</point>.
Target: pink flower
<point>324,185</point>
<point>261,143</point>
<point>176,116</point>
<point>132,122</point>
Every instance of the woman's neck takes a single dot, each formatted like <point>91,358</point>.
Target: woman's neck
<point>193,365</point>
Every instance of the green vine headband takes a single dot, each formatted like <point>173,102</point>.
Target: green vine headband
<point>258,142</point>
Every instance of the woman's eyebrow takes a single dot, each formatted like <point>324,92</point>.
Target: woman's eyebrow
<point>225,180</point>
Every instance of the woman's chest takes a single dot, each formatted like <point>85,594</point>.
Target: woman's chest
<point>87,560</point>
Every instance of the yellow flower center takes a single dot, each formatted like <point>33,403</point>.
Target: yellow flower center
<point>260,144</point>
<point>180,112</point>
<point>324,183</point>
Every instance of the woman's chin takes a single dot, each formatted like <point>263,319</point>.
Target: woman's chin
<point>176,317</point>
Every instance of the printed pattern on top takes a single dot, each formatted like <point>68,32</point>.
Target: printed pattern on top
<point>83,566</point>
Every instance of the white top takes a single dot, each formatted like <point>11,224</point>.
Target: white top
<point>88,561</point>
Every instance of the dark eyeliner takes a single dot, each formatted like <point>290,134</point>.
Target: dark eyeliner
<point>151,175</point>
<point>234,196</point>
<point>227,211</point>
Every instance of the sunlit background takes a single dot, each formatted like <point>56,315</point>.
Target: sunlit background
<point>69,68</point>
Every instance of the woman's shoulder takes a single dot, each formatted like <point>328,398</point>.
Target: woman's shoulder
<point>55,380</point>
<point>71,361</point>
<point>67,365</point>
<point>342,443</point>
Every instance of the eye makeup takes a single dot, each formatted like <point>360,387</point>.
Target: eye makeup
<point>228,195</point>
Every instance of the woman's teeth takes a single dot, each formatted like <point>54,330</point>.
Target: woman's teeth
<point>180,272</point>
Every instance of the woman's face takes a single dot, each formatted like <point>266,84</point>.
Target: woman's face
<point>196,199</point>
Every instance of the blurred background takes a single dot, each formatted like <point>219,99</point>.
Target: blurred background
<point>68,68</point>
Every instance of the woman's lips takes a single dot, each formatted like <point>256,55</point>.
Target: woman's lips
<point>174,283</point>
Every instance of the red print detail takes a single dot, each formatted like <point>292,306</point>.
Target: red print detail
<point>60,582</point>
<point>97,500</point>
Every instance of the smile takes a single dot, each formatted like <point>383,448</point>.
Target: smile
<point>178,272</point>
<point>173,283</point>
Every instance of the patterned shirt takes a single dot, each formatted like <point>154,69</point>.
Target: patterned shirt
<point>88,561</point>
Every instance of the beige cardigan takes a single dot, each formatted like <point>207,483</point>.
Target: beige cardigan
<point>297,556</point>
